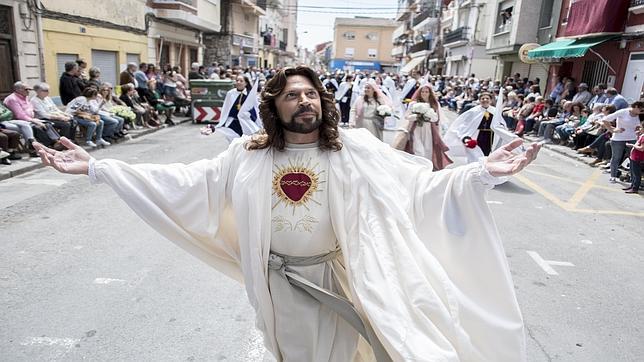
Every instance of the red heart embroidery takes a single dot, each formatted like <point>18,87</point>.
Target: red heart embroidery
<point>295,185</point>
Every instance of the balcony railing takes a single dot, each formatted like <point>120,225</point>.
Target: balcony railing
<point>424,45</point>
<point>455,35</point>
<point>635,3</point>
<point>427,13</point>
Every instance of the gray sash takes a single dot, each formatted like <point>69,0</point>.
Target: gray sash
<point>336,303</point>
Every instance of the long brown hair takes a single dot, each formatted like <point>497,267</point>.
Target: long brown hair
<point>273,134</point>
<point>433,102</point>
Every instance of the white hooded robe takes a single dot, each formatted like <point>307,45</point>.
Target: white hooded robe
<point>424,261</point>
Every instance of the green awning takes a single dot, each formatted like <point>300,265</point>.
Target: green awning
<point>566,48</point>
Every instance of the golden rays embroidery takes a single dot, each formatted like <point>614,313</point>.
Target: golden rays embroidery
<point>296,183</point>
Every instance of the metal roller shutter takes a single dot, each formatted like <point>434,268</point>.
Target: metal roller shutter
<point>519,67</point>
<point>133,58</point>
<point>540,71</point>
<point>61,59</point>
<point>106,62</point>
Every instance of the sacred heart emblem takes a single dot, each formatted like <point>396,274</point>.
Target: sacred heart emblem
<point>295,185</point>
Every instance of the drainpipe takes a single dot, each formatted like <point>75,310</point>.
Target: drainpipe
<point>40,36</point>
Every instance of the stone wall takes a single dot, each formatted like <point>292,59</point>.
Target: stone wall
<point>218,48</point>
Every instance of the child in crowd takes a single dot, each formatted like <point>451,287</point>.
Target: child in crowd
<point>636,163</point>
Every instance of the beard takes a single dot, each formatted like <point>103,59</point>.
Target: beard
<point>309,125</point>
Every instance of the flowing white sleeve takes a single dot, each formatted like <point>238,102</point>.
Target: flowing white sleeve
<point>187,204</point>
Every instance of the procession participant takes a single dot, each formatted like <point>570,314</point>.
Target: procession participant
<point>411,86</point>
<point>230,123</point>
<point>336,235</point>
<point>478,131</point>
<point>366,113</point>
<point>424,129</point>
<point>344,97</point>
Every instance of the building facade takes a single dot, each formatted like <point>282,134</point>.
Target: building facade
<point>277,31</point>
<point>363,43</point>
<point>108,34</point>
<point>175,30</point>
<point>21,44</point>
<point>464,29</point>
<point>238,40</point>
<point>416,39</point>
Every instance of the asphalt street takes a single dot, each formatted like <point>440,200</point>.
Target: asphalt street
<point>81,278</point>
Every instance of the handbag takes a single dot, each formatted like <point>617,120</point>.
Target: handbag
<point>5,113</point>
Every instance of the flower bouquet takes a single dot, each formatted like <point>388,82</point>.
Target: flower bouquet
<point>424,113</point>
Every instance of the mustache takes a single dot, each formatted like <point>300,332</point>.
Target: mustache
<point>304,109</point>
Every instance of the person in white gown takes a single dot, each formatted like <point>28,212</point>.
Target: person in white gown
<point>364,114</point>
<point>425,135</point>
<point>348,249</point>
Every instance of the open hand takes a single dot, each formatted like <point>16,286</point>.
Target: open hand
<point>74,160</point>
<point>503,162</point>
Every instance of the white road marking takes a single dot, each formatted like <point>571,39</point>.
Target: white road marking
<point>587,242</point>
<point>78,247</point>
<point>546,265</point>
<point>47,341</point>
<point>495,202</point>
<point>107,281</point>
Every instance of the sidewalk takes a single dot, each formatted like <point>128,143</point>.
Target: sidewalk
<point>27,164</point>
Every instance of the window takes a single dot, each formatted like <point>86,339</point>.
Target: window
<point>504,19</point>
<point>348,52</point>
<point>133,58</point>
<point>349,35</point>
<point>372,53</point>
<point>546,13</point>
<point>372,36</point>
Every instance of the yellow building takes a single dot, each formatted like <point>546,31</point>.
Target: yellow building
<point>107,34</point>
<point>363,43</point>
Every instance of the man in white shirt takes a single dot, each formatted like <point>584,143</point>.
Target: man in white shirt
<point>46,109</point>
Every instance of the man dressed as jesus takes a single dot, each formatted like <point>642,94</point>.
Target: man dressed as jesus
<point>348,249</point>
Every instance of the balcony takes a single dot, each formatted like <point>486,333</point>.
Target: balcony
<point>426,14</point>
<point>397,51</point>
<point>282,45</point>
<point>419,47</point>
<point>182,12</point>
<point>246,42</point>
<point>455,37</point>
<point>400,31</point>
<point>636,6</point>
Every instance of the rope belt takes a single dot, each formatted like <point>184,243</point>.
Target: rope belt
<point>340,305</point>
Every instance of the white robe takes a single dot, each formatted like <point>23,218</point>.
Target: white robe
<point>424,261</point>
<point>248,126</point>
<point>466,125</point>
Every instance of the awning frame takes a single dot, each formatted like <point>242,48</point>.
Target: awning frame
<point>413,63</point>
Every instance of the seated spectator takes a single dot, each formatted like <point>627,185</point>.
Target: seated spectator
<point>129,97</point>
<point>88,116</point>
<point>587,132</point>
<point>573,121</point>
<point>535,91</point>
<point>194,72</point>
<point>115,106</point>
<point>95,77</point>
<point>161,105</point>
<point>9,143</point>
<point>82,71</point>
<point>599,97</point>
<point>45,109</point>
<point>613,97</point>
<point>178,75</point>
<point>547,128</point>
<point>583,96</point>
<point>524,112</point>
<point>70,85</point>
<point>23,111</point>
<point>22,127</point>
<point>548,112</point>
<point>181,98</point>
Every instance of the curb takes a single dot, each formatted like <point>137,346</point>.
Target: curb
<point>563,150</point>
<point>31,164</point>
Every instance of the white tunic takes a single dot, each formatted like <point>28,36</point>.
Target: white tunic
<point>301,226</point>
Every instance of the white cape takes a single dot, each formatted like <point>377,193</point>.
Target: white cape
<point>248,126</point>
<point>425,263</point>
<point>466,125</point>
